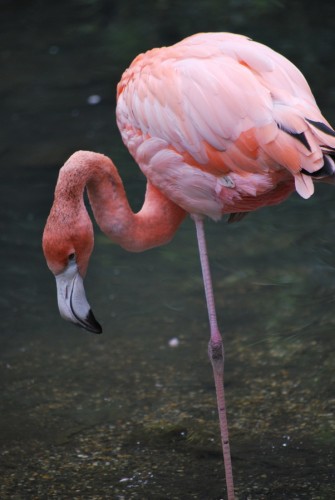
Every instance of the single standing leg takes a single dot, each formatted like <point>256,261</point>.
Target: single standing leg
<point>215,352</point>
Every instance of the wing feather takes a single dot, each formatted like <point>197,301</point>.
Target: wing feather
<point>224,103</point>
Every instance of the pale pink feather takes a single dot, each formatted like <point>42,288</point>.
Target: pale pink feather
<point>220,106</point>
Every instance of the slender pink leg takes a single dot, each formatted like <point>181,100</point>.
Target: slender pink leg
<point>216,354</point>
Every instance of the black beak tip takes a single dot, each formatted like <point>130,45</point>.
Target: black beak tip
<point>91,324</point>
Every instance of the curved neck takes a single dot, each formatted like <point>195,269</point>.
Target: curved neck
<point>153,225</point>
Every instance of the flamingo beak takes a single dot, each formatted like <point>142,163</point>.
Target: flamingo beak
<point>72,302</point>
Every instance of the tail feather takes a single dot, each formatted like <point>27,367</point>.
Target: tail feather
<point>327,169</point>
<point>322,127</point>
<point>320,137</point>
<point>329,160</point>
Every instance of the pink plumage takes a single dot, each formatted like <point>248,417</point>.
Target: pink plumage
<point>221,97</point>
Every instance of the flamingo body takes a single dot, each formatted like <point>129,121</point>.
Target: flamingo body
<point>218,124</point>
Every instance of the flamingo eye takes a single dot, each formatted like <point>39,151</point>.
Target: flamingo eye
<point>72,257</point>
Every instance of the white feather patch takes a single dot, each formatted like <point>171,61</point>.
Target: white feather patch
<point>304,185</point>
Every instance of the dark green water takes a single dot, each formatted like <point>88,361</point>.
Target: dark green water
<point>124,415</point>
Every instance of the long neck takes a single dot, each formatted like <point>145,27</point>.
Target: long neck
<point>153,225</point>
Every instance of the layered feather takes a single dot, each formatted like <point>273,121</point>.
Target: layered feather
<point>220,106</point>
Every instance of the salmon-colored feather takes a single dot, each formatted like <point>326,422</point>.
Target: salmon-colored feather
<point>222,104</point>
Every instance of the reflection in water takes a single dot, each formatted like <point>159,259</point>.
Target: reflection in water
<point>125,414</point>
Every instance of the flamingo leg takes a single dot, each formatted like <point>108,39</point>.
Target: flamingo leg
<point>216,354</point>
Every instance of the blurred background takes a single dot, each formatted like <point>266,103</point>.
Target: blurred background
<point>126,415</point>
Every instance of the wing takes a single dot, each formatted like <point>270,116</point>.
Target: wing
<point>225,104</point>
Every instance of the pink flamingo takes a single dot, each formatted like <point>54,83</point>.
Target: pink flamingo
<point>218,124</point>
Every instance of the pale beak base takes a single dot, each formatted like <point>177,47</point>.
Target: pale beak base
<point>72,302</point>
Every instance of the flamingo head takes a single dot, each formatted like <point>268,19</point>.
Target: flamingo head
<point>67,247</point>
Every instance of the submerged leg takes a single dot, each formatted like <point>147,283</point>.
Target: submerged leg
<point>215,352</point>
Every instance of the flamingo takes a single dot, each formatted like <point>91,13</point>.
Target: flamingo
<point>219,124</point>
